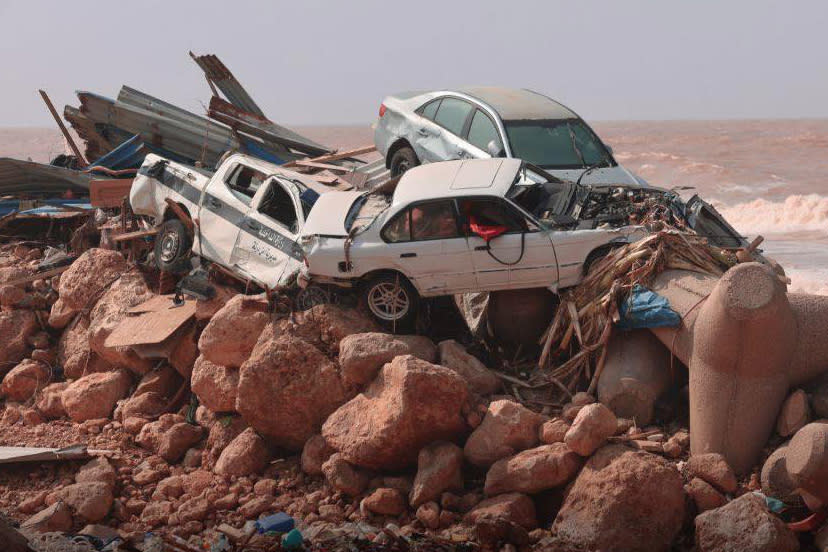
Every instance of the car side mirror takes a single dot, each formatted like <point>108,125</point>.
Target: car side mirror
<point>494,149</point>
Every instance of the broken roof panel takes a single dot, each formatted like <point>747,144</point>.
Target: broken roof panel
<point>218,74</point>
<point>18,176</point>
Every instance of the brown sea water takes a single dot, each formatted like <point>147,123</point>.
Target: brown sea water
<point>767,177</point>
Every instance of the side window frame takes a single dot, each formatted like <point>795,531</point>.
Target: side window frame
<point>466,123</point>
<point>494,126</point>
<point>530,225</point>
<point>231,174</point>
<point>265,187</point>
<point>421,110</point>
<point>457,222</point>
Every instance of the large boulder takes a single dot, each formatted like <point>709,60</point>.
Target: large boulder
<point>287,388</point>
<point>110,310</point>
<point>177,440</point>
<point>743,525</point>
<point>775,479</point>
<point>623,499</point>
<point>362,355</point>
<point>326,325</point>
<point>439,468</point>
<point>481,380</point>
<point>344,477</point>
<point>16,326</point>
<point>315,452</point>
<point>591,428</point>
<point>222,432</point>
<point>91,273</point>
<point>229,337</point>
<point>50,402</point>
<point>514,507</point>
<point>410,404</point>
<point>74,353</point>
<point>534,470</point>
<point>24,380</point>
<point>94,396</point>
<point>713,468</point>
<point>507,428</point>
<point>215,385</point>
<point>246,455</point>
<point>89,501</point>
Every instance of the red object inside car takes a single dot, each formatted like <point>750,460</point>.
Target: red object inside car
<point>382,110</point>
<point>487,232</point>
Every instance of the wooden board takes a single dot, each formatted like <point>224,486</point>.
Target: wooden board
<point>157,303</point>
<point>150,328</point>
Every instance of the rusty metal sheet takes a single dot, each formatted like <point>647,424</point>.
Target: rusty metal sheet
<point>153,327</point>
<point>109,193</point>
<point>218,74</point>
<point>10,455</point>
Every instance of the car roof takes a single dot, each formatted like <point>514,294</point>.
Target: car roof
<point>516,104</point>
<point>492,177</point>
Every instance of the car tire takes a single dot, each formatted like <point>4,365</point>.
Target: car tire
<point>392,301</point>
<point>402,160</point>
<point>173,247</point>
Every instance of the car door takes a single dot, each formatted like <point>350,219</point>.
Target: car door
<point>426,242</point>
<point>227,199</point>
<point>447,141</point>
<point>509,250</point>
<point>482,132</point>
<point>268,250</point>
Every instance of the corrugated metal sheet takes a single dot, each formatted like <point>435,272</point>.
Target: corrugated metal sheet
<point>218,73</point>
<point>230,115</point>
<point>17,176</point>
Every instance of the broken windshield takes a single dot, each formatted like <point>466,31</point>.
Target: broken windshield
<point>555,144</point>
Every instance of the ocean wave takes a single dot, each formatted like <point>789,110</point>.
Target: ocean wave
<point>808,280</point>
<point>796,213</point>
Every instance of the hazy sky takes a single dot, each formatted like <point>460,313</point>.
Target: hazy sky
<point>332,62</point>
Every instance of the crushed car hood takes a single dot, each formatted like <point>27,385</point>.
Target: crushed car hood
<point>329,214</point>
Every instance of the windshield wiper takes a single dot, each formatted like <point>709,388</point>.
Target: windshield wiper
<point>575,144</point>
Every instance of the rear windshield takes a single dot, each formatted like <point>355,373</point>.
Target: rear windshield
<point>556,144</point>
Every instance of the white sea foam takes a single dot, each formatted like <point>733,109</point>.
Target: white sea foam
<point>796,213</point>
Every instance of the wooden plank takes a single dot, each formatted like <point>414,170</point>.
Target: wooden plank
<point>38,276</point>
<point>157,303</point>
<point>150,328</point>
<point>337,155</point>
<point>315,165</point>
<point>135,235</point>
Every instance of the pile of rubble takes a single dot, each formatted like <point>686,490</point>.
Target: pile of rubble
<point>249,409</point>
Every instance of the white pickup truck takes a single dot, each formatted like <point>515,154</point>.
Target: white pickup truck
<point>247,215</point>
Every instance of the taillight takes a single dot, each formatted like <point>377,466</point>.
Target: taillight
<point>382,110</point>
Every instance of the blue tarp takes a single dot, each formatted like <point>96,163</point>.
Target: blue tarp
<point>646,309</point>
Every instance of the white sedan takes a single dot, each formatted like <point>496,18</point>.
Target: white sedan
<point>452,227</point>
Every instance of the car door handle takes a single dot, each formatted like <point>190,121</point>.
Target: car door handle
<point>482,247</point>
<point>407,255</point>
<point>423,132</point>
<point>213,202</point>
<point>253,225</point>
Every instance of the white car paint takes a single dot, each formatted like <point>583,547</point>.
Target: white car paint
<point>551,258</point>
<point>231,231</point>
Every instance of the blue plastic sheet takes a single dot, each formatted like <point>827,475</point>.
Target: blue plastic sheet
<point>646,309</point>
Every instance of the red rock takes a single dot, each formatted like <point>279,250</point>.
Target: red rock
<point>256,507</point>
<point>513,507</point>
<point>90,501</point>
<point>10,273</point>
<point>98,470</point>
<point>163,380</point>
<point>794,415</point>
<point>438,469</point>
<point>55,518</point>
<point>33,503</point>
<point>410,404</point>
<point>315,452</point>
<point>110,310</point>
<point>327,324</point>
<point>553,431</point>
<point>215,385</point>
<point>169,488</point>
<point>713,468</point>
<point>50,404</point>
<point>90,274</point>
<point>247,454</point>
<point>385,502</point>
<point>192,458</point>
<point>11,296</point>
<point>207,308</point>
<point>591,428</point>
<point>362,355</point>
<point>507,428</point>
<point>776,481</point>
<point>24,380</point>
<point>176,440</point>
<point>15,327</point>
<point>623,499</point>
<point>151,433</point>
<point>704,495</point>
<point>343,477</point>
<point>39,340</point>
<point>197,482</point>
<point>287,388</point>
<point>266,487</point>
<point>429,515</point>
<point>95,395</point>
<point>185,352</point>
<point>74,354</point>
<point>481,380</point>
<point>744,524</point>
<point>229,337</point>
<point>677,444</point>
<point>61,314</point>
<point>195,509</point>
<point>222,432</point>
<point>156,513</point>
<point>533,470</point>
<point>146,406</point>
<point>46,356</point>
<point>227,502</point>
